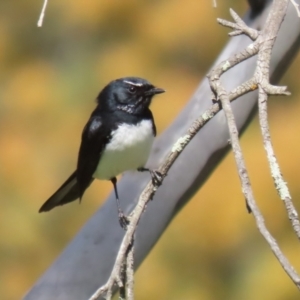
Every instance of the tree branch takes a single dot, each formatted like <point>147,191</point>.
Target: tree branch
<point>265,43</point>
<point>42,15</point>
<point>263,46</point>
<point>296,5</point>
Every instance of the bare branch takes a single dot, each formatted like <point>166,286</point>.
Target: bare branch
<point>243,89</point>
<point>182,142</point>
<point>122,284</point>
<point>264,43</point>
<point>42,15</point>
<point>266,89</point>
<point>296,5</point>
<point>239,26</point>
<point>130,273</point>
<point>279,182</point>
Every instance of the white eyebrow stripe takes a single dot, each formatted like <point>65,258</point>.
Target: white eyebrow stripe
<point>133,83</point>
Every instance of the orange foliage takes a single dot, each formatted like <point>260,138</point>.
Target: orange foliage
<point>50,78</point>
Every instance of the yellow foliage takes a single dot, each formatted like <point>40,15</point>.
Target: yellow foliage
<point>49,80</point>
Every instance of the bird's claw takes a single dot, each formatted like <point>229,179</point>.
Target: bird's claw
<point>156,177</point>
<point>123,220</point>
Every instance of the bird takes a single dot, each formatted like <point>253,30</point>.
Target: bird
<point>117,137</point>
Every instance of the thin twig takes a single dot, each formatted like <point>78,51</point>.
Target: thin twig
<point>42,15</point>
<point>296,5</point>
<point>265,42</point>
<point>279,182</point>
<point>130,273</point>
<point>262,75</point>
<point>239,26</point>
<point>122,286</point>
<point>247,189</point>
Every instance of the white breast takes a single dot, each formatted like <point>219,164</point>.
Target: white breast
<point>128,149</point>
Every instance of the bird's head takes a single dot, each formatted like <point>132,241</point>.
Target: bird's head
<point>130,94</point>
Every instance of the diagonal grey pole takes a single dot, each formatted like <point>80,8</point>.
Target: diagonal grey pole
<point>87,261</point>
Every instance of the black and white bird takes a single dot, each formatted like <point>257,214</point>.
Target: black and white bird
<point>118,137</point>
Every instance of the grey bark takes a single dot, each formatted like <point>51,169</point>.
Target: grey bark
<point>87,261</point>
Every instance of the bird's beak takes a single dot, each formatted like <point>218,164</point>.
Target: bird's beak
<point>155,91</point>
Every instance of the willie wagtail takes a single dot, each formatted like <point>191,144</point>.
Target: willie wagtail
<point>117,137</point>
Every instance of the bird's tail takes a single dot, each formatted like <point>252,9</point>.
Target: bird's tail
<point>68,192</point>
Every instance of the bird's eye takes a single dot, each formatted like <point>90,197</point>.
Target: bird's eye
<point>132,89</point>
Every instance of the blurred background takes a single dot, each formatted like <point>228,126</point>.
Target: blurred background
<point>49,79</point>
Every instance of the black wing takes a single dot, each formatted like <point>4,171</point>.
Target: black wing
<point>94,138</point>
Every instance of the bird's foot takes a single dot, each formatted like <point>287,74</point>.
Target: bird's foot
<point>156,177</point>
<point>123,220</point>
